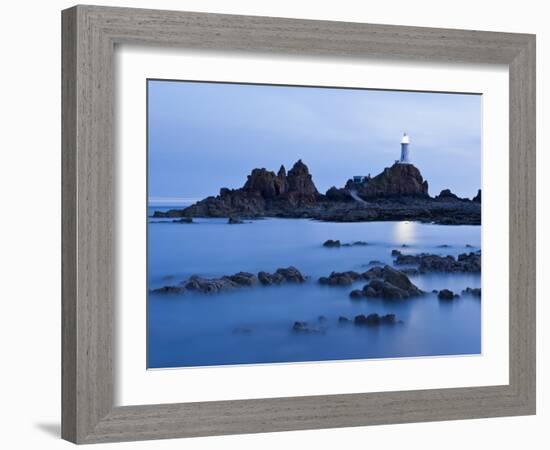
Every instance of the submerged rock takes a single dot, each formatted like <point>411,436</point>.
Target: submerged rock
<point>234,221</point>
<point>183,220</point>
<point>169,290</point>
<point>446,294</point>
<point>356,244</point>
<point>374,319</point>
<point>304,327</point>
<point>475,292</point>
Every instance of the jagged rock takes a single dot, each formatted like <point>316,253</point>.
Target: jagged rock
<point>445,294</point>
<point>340,278</point>
<point>387,282</point>
<point>234,221</point>
<point>289,274</point>
<point>475,292</point>
<point>395,181</point>
<point>374,319</point>
<point>466,262</point>
<point>169,290</point>
<point>398,193</point>
<point>338,195</point>
<point>446,195</point>
<point>373,272</point>
<point>477,198</point>
<point>210,285</point>
<point>396,253</point>
<point>269,279</point>
<point>244,278</point>
<point>332,243</point>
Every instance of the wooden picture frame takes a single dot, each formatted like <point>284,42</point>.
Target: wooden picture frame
<point>90,34</point>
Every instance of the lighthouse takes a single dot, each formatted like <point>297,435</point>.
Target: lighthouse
<point>405,141</point>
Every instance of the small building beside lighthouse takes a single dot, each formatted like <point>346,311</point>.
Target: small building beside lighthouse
<point>405,142</point>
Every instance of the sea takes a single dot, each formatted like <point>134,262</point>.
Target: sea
<point>255,325</point>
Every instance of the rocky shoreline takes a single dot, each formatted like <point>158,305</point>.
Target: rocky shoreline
<point>398,193</point>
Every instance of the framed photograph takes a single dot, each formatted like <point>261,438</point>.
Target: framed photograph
<point>278,224</point>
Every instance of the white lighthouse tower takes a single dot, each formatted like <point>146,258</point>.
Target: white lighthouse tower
<point>405,141</point>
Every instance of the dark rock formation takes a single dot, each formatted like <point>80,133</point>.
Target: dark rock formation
<point>289,275</point>
<point>388,283</point>
<point>230,282</point>
<point>169,290</point>
<point>340,278</point>
<point>336,244</point>
<point>234,221</point>
<point>355,244</point>
<point>475,292</point>
<point>338,195</point>
<point>477,198</point>
<point>446,294</point>
<point>263,191</point>
<point>374,319</point>
<point>332,243</point>
<point>398,193</point>
<point>395,181</point>
<point>446,195</point>
<point>210,285</point>
<point>183,220</point>
<point>466,262</point>
<point>343,319</point>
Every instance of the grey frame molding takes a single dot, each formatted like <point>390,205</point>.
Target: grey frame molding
<point>89,37</point>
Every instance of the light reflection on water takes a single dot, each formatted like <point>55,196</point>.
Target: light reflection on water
<point>254,325</point>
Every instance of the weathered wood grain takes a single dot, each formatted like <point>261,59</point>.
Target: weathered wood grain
<point>89,36</point>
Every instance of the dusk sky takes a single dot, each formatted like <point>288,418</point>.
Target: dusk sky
<point>204,136</point>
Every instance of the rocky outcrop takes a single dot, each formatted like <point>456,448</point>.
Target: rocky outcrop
<point>341,278</point>
<point>466,262</point>
<point>446,294</point>
<point>374,319</point>
<point>396,181</point>
<point>288,275</point>
<point>446,195</point>
<point>398,193</point>
<point>336,243</point>
<point>387,283</point>
<point>229,282</point>
<point>338,195</point>
<point>263,191</point>
<point>477,198</point>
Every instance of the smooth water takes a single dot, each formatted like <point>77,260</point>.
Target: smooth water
<point>254,325</point>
